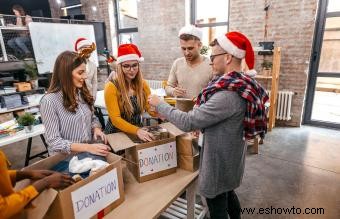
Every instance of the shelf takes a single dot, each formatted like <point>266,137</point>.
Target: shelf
<point>40,90</point>
<point>5,110</point>
<point>263,77</point>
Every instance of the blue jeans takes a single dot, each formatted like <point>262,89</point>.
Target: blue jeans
<point>18,44</point>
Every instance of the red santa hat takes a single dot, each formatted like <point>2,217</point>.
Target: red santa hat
<point>128,52</point>
<point>81,42</point>
<point>238,45</point>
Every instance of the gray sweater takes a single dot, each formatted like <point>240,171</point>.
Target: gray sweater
<point>223,151</point>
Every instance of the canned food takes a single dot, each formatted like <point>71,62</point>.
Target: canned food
<point>163,133</point>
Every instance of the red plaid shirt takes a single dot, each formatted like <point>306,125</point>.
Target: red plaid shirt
<point>255,119</point>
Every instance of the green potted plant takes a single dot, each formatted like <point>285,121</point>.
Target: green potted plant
<point>267,67</point>
<point>204,50</point>
<point>27,120</point>
<point>32,72</point>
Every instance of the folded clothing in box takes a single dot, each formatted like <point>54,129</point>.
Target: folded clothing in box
<point>81,164</point>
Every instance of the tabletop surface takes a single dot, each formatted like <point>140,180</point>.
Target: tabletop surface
<point>22,135</point>
<point>151,198</point>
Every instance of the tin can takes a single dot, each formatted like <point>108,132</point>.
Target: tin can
<point>164,134</point>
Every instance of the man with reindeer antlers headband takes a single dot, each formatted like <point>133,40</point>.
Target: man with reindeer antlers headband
<point>84,48</point>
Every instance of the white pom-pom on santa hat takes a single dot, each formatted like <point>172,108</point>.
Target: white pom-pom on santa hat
<point>81,42</point>
<point>129,52</point>
<point>238,45</point>
<point>191,30</point>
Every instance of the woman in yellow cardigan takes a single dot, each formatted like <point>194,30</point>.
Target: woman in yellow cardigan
<point>126,95</point>
<point>11,202</point>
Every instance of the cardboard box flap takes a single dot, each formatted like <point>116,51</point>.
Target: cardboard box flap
<point>172,128</point>
<point>120,141</point>
<point>40,205</point>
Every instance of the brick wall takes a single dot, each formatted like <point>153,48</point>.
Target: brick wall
<point>104,9</point>
<point>291,25</point>
<point>56,12</point>
<point>158,26</point>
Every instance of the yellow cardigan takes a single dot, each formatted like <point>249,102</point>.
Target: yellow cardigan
<point>112,103</point>
<point>11,202</point>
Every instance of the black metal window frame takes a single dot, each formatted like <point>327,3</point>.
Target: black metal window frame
<point>120,30</point>
<point>193,16</point>
<point>314,66</point>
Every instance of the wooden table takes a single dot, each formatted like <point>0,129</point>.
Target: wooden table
<point>151,198</point>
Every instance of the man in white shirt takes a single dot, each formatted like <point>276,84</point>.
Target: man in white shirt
<point>190,73</point>
<point>91,68</point>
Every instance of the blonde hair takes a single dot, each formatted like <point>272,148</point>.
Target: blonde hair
<point>126,106</point>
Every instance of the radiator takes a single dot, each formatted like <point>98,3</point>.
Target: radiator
<point>154,84</point>
<point>284,104</point>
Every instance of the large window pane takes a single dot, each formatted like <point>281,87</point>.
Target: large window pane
<point>333,5</point>
<point>212,11</point>
<point>127,13</point>
<point>210,33</point>
<point>129,38</point>
<point>330,53</point>
<point>326,103</point>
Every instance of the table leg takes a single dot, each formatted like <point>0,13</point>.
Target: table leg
<point>190,195</point>
<point>28,151</point>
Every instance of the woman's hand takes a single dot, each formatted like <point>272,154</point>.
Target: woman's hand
<point>98,149</point>
<point>55,180</point>
<point>154,100</point>
<point>98,133</point>
<point>39,174</point>
<point>145,135</point>
<point>33,174</point>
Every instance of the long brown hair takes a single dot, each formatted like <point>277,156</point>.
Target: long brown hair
<point>21,11</point>
<point>126,106</point>
<point>62,81</point>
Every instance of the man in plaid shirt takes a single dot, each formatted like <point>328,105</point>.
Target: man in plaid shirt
<point>228,111</point>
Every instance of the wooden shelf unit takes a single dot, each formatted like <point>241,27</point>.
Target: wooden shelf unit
<point>274,79</point>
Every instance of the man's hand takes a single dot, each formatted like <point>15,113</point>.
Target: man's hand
<point>154,100</point>
<point>179,92</point>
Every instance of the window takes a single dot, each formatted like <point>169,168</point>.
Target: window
<point>333,6</point>
<point>126,21</point>
<point>212,16</point>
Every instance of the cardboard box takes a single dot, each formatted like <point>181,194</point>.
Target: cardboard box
<point>149,160</point>
<point>97,194</point>
<point>5,117</point>
<point>187,145</point>
<point>23,86</point>
<point>189,162</point>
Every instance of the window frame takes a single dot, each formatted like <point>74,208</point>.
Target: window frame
<point>193,17</point>
<point>120,30</point>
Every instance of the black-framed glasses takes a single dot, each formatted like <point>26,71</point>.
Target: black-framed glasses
<point>212,57</point>
<point>128,67</point>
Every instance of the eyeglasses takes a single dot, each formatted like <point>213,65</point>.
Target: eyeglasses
<point>212,57</point>
<point>128,67</point>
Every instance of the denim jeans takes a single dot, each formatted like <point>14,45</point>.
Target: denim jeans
<point>18,44</point>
